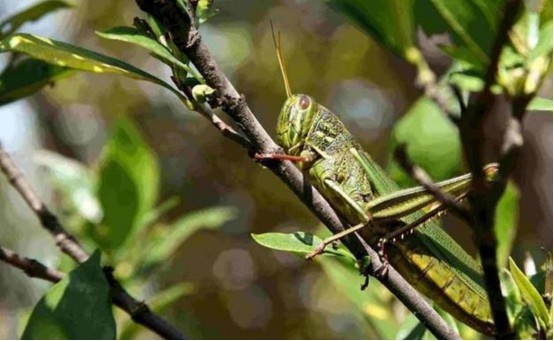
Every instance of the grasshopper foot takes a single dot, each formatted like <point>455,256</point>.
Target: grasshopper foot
<point>365,284</point>
<point>365,271</point>
<point>318,250</point>
<point>383,270</point>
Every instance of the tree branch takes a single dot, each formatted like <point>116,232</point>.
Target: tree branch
<point>30,267</point>
<point>210,115</point>
<point>186,37</point>
<point>69,245</point>
<point>483,198</point>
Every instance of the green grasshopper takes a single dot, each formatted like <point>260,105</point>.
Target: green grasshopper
<point>372,204</point>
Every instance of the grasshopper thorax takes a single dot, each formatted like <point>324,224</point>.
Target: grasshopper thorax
<point>294,123</point>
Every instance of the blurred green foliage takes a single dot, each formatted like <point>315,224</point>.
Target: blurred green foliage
<point>117,201</point>
<point>120,192</point>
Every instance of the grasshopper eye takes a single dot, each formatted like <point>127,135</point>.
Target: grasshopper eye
<point>304,102</point>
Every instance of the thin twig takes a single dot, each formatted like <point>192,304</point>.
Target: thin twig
<point>427,81</point>
<point>30,267</point>
<point>69,245</point>
<point>207,112</point>
<point>223,127</point>
<point>140,311</point>
<point>483,198</point>
<point>187,38</point>
<point>419,175</point>
<point>480,107</point>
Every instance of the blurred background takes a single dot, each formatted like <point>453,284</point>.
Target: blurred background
<point>227,285</point>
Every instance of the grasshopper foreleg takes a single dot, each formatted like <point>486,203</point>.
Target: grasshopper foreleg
<point>276,156</point>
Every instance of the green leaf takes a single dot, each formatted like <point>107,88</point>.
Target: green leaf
<point>165,298</point>
<point>205,10</point>
<point>448,319</point>
<point>544,45</point>
<point>531,296</point>
<point>155,214</point>
<point>506,218</point>
<point>35,12</point>
<point>165,241</point>
<point>297,242</point>
<point>411,329</point>
<point>128,188</point>
<point>78,307</point>
<point>416,333</point>
<point>25,76</point>
<point>540,104</point>
<point>133,36</point>
<point>161,301</point>
<point>468,80</point>
<point>548,276</point>
<point>472,25</point>
<point>202,93</point>
<point>70,56</point>
<point>74,180</point>
<point>390,22</point>
<point>432,142</point>
<point>511,292</point>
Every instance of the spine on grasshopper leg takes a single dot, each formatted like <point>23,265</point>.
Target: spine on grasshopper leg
<point>429,258</point>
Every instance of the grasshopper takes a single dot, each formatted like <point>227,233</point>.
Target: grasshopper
<point>371,203</point>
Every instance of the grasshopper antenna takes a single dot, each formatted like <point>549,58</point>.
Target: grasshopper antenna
<point>277,44</point>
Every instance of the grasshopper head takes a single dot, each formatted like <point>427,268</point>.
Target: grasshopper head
<point>295,120</point>
<point>297,114</point>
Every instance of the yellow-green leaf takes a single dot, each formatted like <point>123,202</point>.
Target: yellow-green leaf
<point>133,36</point>
<point>297,242</point>
<point>531,296</point>
<point>77,58</point>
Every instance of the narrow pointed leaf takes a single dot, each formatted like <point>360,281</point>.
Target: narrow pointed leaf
<point>531,296</point>
<point>133,36</point>
<point>540,104</point>
<point>472,25</point>
<point>26,76</point>
<point>165,241</point>
<point>390,22</point>
<point>297,242</point>
<point>35,12</point>
<point>505,225</point>
<point>70,56</point>
<point>128,188</point>
<point>544,45</point>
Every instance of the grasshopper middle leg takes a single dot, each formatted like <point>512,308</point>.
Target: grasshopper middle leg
<point>334,238</point>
